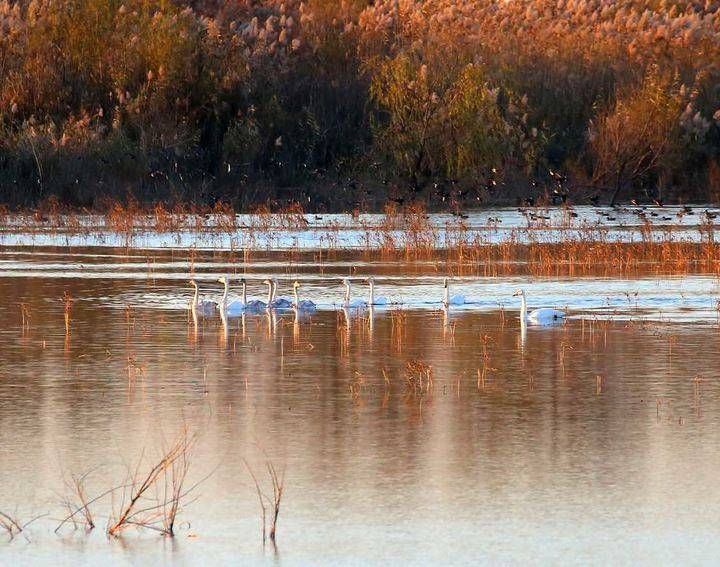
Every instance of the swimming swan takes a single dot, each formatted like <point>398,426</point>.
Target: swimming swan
<point>204,306</point>
<point>543,316</point>
<point>305,304</point>
<point>279,302</point>
<point>235,307</point>
<point>354,303</point>
<point>256,304</point>
<point>455,299</point>
<point>375,300</point>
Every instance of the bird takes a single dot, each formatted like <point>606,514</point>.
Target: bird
<point>375,300</point>
<point>354,303</point>
<point>542,316</point>
<point>204,306</point>
<point>257,304</point>
<point>235,307</point>
<point>305,304</point>
<point>279,302</point>
<point>455,299</point>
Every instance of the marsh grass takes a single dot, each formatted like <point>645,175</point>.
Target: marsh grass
<point>407,234</point>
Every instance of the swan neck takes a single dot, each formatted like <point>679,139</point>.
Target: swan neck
<point>372,293</point>
<point>225,294</point>
<point>270,293</point>
<point>446,297</point>
<point>297,297</point>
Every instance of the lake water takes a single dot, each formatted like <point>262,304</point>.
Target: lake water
<point>409,435</point>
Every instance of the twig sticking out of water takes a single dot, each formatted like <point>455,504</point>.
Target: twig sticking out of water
<point>272,503</point>
<point>138,509</point>
<point>12,525</point>
<point>78,503</point>
<point>25,313</point>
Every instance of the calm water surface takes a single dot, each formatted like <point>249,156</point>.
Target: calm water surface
<point>594,442</point>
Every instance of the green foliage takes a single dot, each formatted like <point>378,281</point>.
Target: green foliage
<point>436,123</point>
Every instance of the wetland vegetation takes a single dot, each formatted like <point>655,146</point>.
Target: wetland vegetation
<point>344,105</point>
<point>270,274</point>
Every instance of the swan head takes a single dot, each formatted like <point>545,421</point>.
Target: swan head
<point>267,281</point>
<point>193,283</point>
<point>519,292</point>
<point>296,285</point>
<point>243,281</point>
<point>446,282</point>
<point>223,279</point>
<point>346,282</point>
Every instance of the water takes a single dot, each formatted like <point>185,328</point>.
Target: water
<point>593,442</point>
<point>342,231</point>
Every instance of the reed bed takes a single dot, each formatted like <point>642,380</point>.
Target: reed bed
<point>408,234</point>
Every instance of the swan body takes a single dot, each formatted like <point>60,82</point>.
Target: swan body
<point>236,307</point>
<point>455,299</point>
<point>352,303</point>
<point>201,306</point>
<point>305,304</point>
<point>542,316</point>
<point>257,305</point>
<point>280,302</point>
<point>382,300</point>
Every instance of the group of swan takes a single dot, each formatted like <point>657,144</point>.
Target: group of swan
<point>236,307</point>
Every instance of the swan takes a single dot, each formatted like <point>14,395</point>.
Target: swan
<point>273,303</point>
<point>305,304</point>
<point>256,304</point>
<point>543,316</point>
<point>375,300</point>
<point>354,303</point>
<point>279,302</point>
<point>235,307</point>
<point>455,299</point>
<point>204,306</point>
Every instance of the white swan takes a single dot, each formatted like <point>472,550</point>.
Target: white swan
<point>543,316</point>
<point>201,306</point>
<point>375,300</point>
<point>455,299</point>
<point>235,307</point>
<point>278,302</point>
<point>305,304</point>
<point>256,304</point>
<point>353,303</point>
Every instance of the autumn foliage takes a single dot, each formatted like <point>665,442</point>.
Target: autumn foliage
<point>253,99</point>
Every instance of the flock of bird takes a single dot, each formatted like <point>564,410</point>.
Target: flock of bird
<point>236,307</point>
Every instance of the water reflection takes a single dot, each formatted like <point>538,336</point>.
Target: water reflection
<point>547,441</point>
